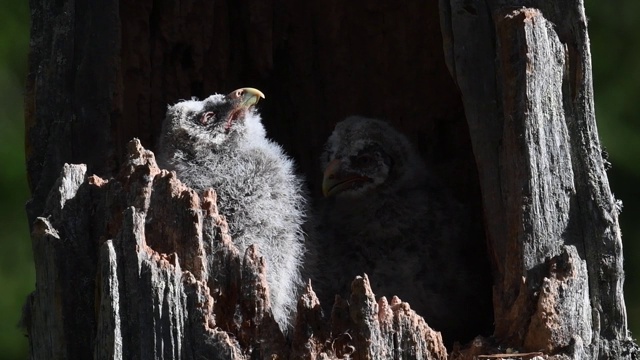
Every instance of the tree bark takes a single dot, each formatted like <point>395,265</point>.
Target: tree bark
<point>141,267</point>
<point>552,222</point>
<point>132,264</point>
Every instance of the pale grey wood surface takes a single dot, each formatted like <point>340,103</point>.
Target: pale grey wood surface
<point>163,280</point>
<point>552,221</point>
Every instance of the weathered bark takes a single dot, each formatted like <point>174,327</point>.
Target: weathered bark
<point>132,264</point>
<point>552,222</point>
<point>170,284</point>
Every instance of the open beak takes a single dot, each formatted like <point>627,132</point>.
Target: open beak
<point>246,97</point>
<point>336,181</point>
<point>243,99</point>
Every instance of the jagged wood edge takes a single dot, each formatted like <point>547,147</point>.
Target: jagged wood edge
<point>154,260</point>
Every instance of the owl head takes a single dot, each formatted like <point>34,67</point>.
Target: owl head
<point>211,123</point>
<point>364,155</point>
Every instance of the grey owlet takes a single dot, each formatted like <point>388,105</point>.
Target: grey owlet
<point>220,143</point>
<point>384,215</point>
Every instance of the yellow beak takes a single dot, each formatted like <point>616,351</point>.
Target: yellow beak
<point>335,180</point>
<point>247,96</point>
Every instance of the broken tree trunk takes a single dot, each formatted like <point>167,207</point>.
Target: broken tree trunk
<point>133,264</point>
<point>551,219</point>
<point>141,267</point>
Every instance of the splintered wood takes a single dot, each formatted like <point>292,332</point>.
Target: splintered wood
<point>145,267</point>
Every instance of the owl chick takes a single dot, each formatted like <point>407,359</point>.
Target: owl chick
<point>220,143</point>
<point>385,216</point>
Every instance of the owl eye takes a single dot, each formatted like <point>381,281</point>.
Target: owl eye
<point>364,160</point>
<point>206,117</point>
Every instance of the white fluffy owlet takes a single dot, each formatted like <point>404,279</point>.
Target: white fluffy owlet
<point>220,143</point>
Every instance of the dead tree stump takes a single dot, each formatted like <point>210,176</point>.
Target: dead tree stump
<point>132,264</point>
<point>166,282</point>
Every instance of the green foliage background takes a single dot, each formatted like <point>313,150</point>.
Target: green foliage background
<point>616,62</point>
<point>16,264</point>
